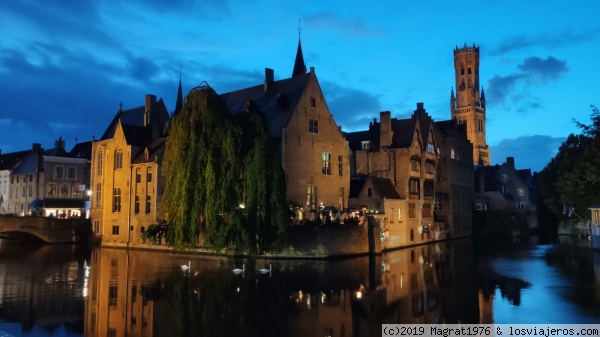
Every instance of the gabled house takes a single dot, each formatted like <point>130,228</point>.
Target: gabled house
<point>125,170</point>
<point>404,153</point>
<point>44,182</point>
<point>312,148</point>
<point>503,187</point>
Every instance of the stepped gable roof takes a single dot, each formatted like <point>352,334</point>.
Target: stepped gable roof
<point>155,149</point>
<point>82,150</point>
<point>276,104</point>
<point>384,187</point>
<point>425,124</point>
<point>8,161</point>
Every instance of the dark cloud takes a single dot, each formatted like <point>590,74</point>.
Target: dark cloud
<point>532,152</point>
<point>559,39</point>
<point>533,70</point>
<point>352,109</point>
<point>142,69</point>
<point>499,87</point>
<point>548,69</point>
<point>353,27</point>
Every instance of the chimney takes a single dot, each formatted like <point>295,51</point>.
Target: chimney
<point>420,106</point>
<point>149,106</point>
<point>385,128</point>
<point>269,78</point>
<point>312,70</point>
<point>510,161</point>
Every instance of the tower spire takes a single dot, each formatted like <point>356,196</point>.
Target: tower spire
<point>299,64</point>
<point>179,102</point>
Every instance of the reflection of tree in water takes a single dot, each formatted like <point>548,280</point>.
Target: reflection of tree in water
<point>219,305</point>
<point>510,287</point>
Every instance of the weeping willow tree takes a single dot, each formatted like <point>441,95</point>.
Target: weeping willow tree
<point>223,180</point>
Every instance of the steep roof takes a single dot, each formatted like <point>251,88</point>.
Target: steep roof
<point>8,161</point>
<point>82,150</point>
<point>384,187</point>
<point>135,117</point>
<point>299,64</point>
<point>276,103</point>
<point>29,164</point>
<point>156,148</point>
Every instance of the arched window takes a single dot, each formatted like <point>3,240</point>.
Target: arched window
<point>71,172</point>
<point>59,172</point>
<point>64,190</point>
<point>118,159</point>
<point>51,190</point>
<point>99,163</point>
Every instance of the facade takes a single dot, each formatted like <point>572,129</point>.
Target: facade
<point>503,187</point>
<point>403,152</point>
<point>454,184</point>
<point>468,106</point>
<point>46,182</point>
<point>125,170</point>
<point>313,150</point>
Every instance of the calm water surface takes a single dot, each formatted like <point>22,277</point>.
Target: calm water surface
<point>80,291</point>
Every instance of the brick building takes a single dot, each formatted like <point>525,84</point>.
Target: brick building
<point>313,150</point>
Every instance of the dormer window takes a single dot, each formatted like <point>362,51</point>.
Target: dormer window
<point>364,144</point>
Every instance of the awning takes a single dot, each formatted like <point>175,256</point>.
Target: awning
<point>37,203</point>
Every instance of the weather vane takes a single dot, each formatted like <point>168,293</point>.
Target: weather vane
<point>299,29</point>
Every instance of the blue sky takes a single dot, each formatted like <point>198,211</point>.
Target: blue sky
<point>65,66</point>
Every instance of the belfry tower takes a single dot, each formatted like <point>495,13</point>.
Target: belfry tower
<point>468,106</point>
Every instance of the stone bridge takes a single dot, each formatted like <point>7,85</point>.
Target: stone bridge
<point>49,230</point>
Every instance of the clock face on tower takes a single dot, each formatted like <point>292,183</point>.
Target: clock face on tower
<point>462,87</point>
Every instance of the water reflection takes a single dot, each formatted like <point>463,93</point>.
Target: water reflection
<point>112,292</point>
<point>147,294</point>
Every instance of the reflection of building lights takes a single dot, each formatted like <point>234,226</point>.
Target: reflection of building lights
<point>323,297</point>
<point>242,205</point>
<point>359,292</point>
<point>308,301</point>
<point>86,275</point>
<point>238,289</point>
<point>300,295</point>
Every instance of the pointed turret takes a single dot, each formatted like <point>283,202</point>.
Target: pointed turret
<point>299,64</point>
<point>179,102</point>
<point>452,102</point>
<point>482,98</point>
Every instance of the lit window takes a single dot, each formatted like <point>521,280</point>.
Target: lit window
<point>311,197</point>
<point>430,148</point>
<point>520,192</point>
<point>326,163</point>
<point>76,190</point>
<point>51,190</point>
<point>364,144</point>
<point>64,190</point>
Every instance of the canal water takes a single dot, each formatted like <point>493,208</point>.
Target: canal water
<point>81,291</point>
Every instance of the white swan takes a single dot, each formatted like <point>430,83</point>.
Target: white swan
<point>264,271</point>
<point>186,266</point>
<point>238,270</point>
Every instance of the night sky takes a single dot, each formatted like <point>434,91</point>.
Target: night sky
<point>65,66</point>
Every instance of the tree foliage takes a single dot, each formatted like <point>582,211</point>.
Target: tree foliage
<point>572,177</point>
<point>214,165</point>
